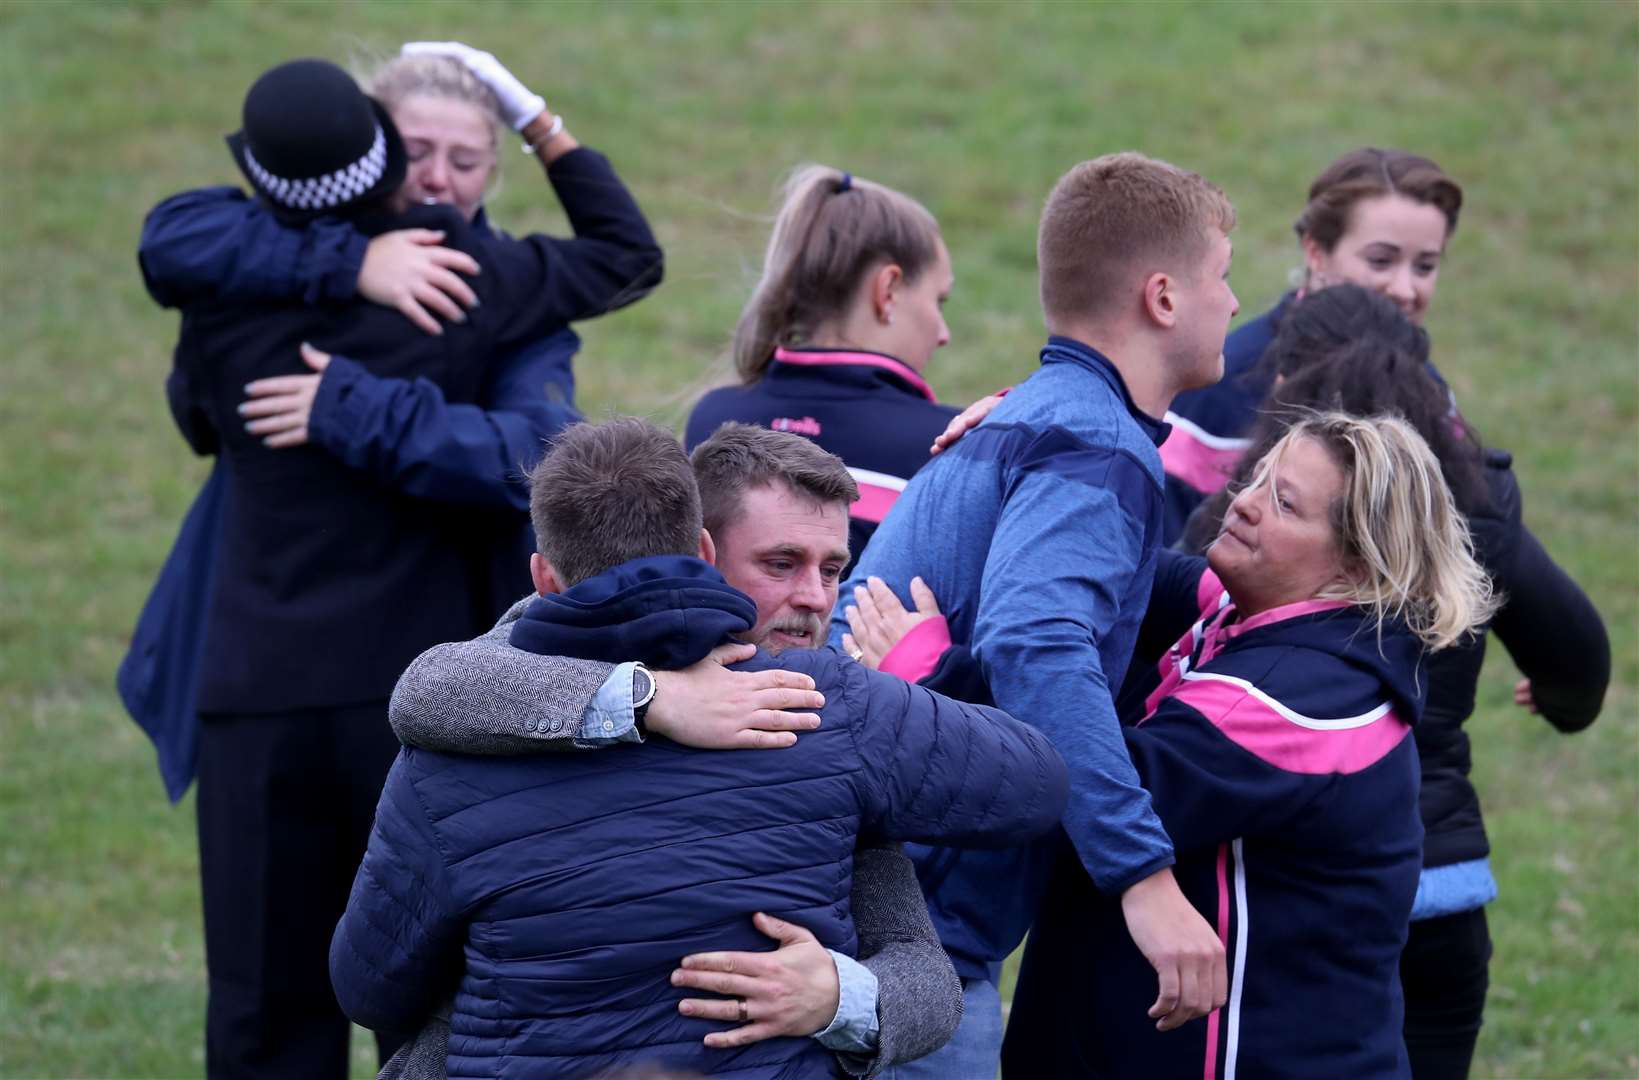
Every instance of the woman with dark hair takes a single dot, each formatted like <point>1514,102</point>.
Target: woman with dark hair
<point>837,334</point>
<point>1375,218</point>
<point>1348,349</point>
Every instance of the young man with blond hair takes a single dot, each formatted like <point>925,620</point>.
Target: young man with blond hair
<point>1038,532</point>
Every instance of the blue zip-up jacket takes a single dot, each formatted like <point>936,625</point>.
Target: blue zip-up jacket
<point>1038,533</point>
<point>873,411</point>
<point>562,890</point>
<point>1279,752</point>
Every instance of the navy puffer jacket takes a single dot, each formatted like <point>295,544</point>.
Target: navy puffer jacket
<point>562,890</point>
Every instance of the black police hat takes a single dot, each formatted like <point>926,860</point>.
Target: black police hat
<point>314,143</point>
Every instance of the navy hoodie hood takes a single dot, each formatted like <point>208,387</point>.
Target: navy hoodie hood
<point>667,611</point>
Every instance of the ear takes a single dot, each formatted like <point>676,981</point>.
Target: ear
<point>708,548</point>
<point>1315,258</point>
<point>1160,300</point>
<point>543,575</point>
<point>885,283</point>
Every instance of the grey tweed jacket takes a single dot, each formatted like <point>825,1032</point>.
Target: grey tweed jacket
<point>485,697</point>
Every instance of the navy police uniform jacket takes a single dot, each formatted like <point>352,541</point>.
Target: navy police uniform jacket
<point>331,579</point>
<point>871,410</point>
<point>561,890</point>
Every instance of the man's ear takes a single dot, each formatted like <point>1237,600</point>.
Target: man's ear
<point>885,283</point>
<point>708,548</point>
<point>1160,300</point>
<point>544,575</point>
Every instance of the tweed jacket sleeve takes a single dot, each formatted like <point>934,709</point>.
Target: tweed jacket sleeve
<point>486,697</point>
<point>919,997</point>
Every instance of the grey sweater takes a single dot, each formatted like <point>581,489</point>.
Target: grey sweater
<point>485,697</point>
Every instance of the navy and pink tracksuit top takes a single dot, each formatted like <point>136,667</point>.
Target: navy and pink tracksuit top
<point>1278,750</point>
<point>871,410</point>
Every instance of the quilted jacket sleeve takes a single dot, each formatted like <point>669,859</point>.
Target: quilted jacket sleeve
<point>397,950</point>
<point>941,771</point>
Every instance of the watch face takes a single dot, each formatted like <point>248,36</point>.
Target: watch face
<point>642,686</point>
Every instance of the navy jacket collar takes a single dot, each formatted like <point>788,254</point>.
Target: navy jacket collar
<point>1069,350</point>
<point>666,610</point>
<point>856,367</point>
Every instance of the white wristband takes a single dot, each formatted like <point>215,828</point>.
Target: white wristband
<point>557,126</point>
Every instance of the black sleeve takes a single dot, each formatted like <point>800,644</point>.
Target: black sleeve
<point>541,282</point>
<point>959,676</point>
<point>1555,636</point>
<point>1174,606</point>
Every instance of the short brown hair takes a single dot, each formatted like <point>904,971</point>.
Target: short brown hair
<point>607,493</point>
<point>1367,173</point>
<point>1115,215</point>
<point>739,457</point>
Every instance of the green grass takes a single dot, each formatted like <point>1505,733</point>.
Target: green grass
<point>974,108</point>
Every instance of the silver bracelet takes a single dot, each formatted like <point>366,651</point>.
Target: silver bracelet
<point>551,132</point>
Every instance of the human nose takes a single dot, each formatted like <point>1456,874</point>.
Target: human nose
<point>811,594</point>
<point>1400,288</point>
<point>435,176</point>
<point>1245,505</point>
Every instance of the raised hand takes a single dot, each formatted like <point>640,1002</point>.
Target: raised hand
<point>878,620</point>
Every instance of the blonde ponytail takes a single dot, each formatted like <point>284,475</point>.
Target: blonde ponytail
<point>832,228</point>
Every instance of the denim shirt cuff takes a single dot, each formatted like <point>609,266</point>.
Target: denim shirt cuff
<point>608,716</point>
<point>855,1025</point>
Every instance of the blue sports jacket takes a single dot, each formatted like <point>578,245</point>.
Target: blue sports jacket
<point>562,890</point>
<point>1038,533</point>
<point>1279,752</point>
<point>871,410</point>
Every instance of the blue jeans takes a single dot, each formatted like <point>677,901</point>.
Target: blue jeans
<point>975,1051</point>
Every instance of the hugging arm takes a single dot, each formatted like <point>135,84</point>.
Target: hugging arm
<point>919,997</point>
<point>404,432</point>
<point>486,697</point>
<point>219,244</point>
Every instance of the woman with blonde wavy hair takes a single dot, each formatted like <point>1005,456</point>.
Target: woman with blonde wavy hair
<point>1278,751</point>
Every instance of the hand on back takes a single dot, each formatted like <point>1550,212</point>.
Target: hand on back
<point>709,707</point>
<point>407,270</point>
<point>793,990</point>
<point>878,620</point>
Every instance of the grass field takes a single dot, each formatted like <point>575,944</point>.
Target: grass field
<point>975,108</point>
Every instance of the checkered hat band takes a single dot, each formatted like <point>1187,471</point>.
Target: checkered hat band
<point>322,192</point>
